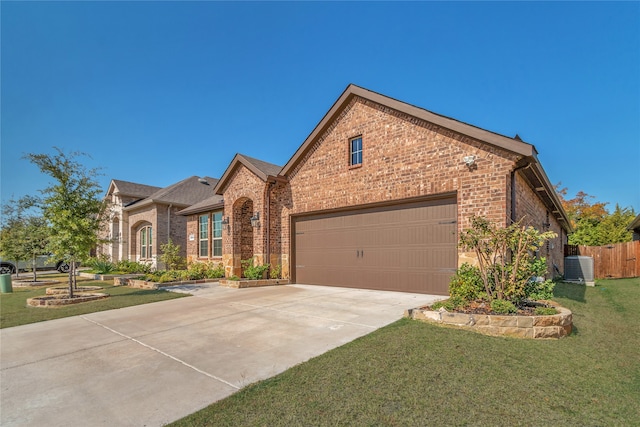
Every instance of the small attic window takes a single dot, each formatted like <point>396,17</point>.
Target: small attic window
<point>355,151</point>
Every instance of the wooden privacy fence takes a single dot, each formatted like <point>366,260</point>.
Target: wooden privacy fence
<point>611,261</point>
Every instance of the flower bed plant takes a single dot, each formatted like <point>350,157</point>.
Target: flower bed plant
<point>509,276</point>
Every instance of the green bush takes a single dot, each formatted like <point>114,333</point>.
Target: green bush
<point>535,290</point>
<point>501,306</point>
<point>276,271</point>
<point>467,283</point>
<point>215,272</point>
<point>101,264</point>
<point>450,304</point>
<point>252,271</point>
<point>132,267</point>
<point>170,256</point>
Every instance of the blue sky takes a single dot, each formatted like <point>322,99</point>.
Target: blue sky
<point>159,91</point>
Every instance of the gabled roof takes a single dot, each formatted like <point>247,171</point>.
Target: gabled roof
<point>182,194</point>
<point>207,205</point>
<point>131,189</point>
<point>510,144</point>
<point>261,169</point>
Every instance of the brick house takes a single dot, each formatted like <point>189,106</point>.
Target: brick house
<point>144,217</point>
<point>376,196</point>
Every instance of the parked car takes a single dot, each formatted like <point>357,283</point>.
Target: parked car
<point>43,262</point>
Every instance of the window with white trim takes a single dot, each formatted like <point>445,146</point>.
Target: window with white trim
<point>217,233</point>
<point>146,242</point>
<point>355,151</point>
<point>203,235</point>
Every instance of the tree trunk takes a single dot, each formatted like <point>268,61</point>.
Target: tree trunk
<point>71,282</point>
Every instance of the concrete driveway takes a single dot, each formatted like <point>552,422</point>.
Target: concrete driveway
<point>153,364</point>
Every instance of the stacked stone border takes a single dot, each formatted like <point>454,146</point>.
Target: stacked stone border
<point>93,276</point>
<point>242,283</point>
<point>145,284</point>
<point>554,326</point>
<point>64,290</point>
<point>53,301</point>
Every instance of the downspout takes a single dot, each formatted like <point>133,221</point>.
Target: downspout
<point>513,190</point>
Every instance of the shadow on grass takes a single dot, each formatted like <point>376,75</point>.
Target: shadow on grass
<point>572,291</point>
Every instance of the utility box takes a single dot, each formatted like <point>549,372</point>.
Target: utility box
<point>579,269</point>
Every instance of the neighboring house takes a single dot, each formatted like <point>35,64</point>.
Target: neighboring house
<point>376,196</point>
<point>635,228</point>
<point>147,217</point>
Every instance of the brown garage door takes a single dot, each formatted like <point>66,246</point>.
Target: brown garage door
<point>409,247</point>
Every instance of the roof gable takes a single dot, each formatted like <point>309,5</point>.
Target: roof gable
<point>515,145</point>
<point>185,193</point>
<point>131,189</point>
<point>261,169</point>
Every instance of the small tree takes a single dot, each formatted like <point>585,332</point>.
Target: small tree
<point>72,206</point>
<point>24,234</point>
<point>506,259</point>
<point>170,256</point>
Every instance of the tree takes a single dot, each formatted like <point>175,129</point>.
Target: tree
<point>593,225</point>
<point>24,234</point>
<point>72,206</point>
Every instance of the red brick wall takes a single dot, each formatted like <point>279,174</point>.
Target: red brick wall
<point>532,212</point>
<point>403,157</point>
<point>243,185</point>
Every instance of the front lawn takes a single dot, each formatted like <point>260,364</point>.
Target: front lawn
<point>414,373</point>
<point>14,310</point>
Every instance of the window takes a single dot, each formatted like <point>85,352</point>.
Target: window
<point>203,235</point>
<point>355,151</point>
<point>217,234</point>
<point>146,242</point>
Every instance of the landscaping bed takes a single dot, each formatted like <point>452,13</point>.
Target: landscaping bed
<point>522,324</point>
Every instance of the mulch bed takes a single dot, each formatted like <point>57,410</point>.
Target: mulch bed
<point>482,307</point>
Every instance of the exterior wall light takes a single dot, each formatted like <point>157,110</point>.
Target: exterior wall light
<point>255,220</point>
<point>469,160</point>
<point>225,224</point>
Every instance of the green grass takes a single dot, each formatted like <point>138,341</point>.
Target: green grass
<point>414,373</point>
<point>14,310</point>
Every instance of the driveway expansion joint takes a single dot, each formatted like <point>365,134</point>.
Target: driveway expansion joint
<point>157,350</point>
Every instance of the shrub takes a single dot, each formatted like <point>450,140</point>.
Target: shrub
<point>101,264</point>
<point>196,271</point>
<point>252,271</point>
<point>449,304</point>
<point>501,306</point>
<point>170,256</point>
<point>505,256</point>
<point>216,272</point>
<point>539,290</point>
<point>276,271</point>
<point>131,267</point>
<point>467,283</point>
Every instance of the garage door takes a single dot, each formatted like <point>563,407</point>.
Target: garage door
<point>409,247</point>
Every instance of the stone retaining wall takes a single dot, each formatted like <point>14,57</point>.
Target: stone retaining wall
<point>144,284</point>
<point>555,326</point>
<point>242,283</point>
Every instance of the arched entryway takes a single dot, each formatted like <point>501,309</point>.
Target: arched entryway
<point>243,247</point>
